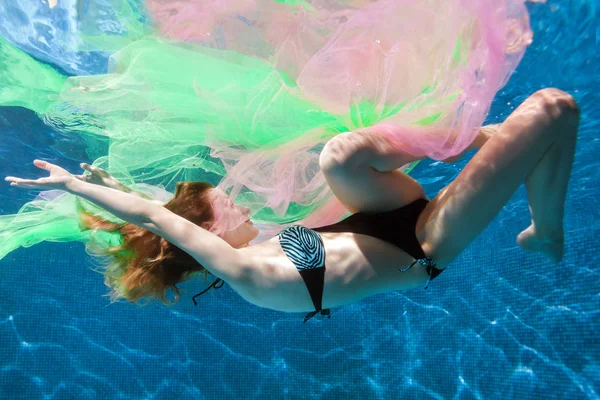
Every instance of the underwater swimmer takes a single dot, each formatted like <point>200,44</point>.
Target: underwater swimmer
<point>396,239</point>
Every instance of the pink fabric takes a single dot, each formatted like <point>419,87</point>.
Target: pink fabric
<point>427,70</point>
<point>385,51</point>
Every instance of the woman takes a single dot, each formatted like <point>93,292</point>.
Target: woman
<point>396,240</point>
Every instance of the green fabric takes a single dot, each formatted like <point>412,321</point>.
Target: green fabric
<point>151,112</point>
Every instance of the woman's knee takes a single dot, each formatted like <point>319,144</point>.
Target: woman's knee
<point>558,109</point>
<point>341,152</point>
<point>557,103</point>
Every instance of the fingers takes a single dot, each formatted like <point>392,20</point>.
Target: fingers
<point>14,179</point>
<point>94,170</point>
<point>57,179</point>
<point>89,168</point>
<point>23,183</point>
<point>43,164</point>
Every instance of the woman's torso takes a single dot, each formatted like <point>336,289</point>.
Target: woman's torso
<point>357,266</point>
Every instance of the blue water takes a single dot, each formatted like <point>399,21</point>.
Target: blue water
<point>498,324</point>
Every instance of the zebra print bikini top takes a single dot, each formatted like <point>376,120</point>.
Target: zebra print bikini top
<point>304,247</point>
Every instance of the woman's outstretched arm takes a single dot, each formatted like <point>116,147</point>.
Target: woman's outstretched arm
<point>216,255</point>
<point>99,176</point>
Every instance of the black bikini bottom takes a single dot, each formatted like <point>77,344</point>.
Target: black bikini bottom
<point>304,247</point>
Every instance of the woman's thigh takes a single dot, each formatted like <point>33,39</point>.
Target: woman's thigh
<point>362,170</point>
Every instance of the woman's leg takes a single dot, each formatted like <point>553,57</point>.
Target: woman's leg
<point>482,137</point>
<point>535,145</point>
<point>361,170</point>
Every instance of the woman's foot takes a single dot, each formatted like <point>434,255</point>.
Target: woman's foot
<point>552,247</point>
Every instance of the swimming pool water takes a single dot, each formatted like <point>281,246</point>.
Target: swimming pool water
<point>499,324</point>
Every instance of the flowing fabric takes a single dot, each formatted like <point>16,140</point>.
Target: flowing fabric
<point>246,93</point>
<point>75,35</point>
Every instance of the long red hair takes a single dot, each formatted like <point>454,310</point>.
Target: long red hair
<point>144,264</point>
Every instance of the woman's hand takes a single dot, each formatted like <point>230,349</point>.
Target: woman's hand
<point>58,180</point>
<point>98,176</point>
